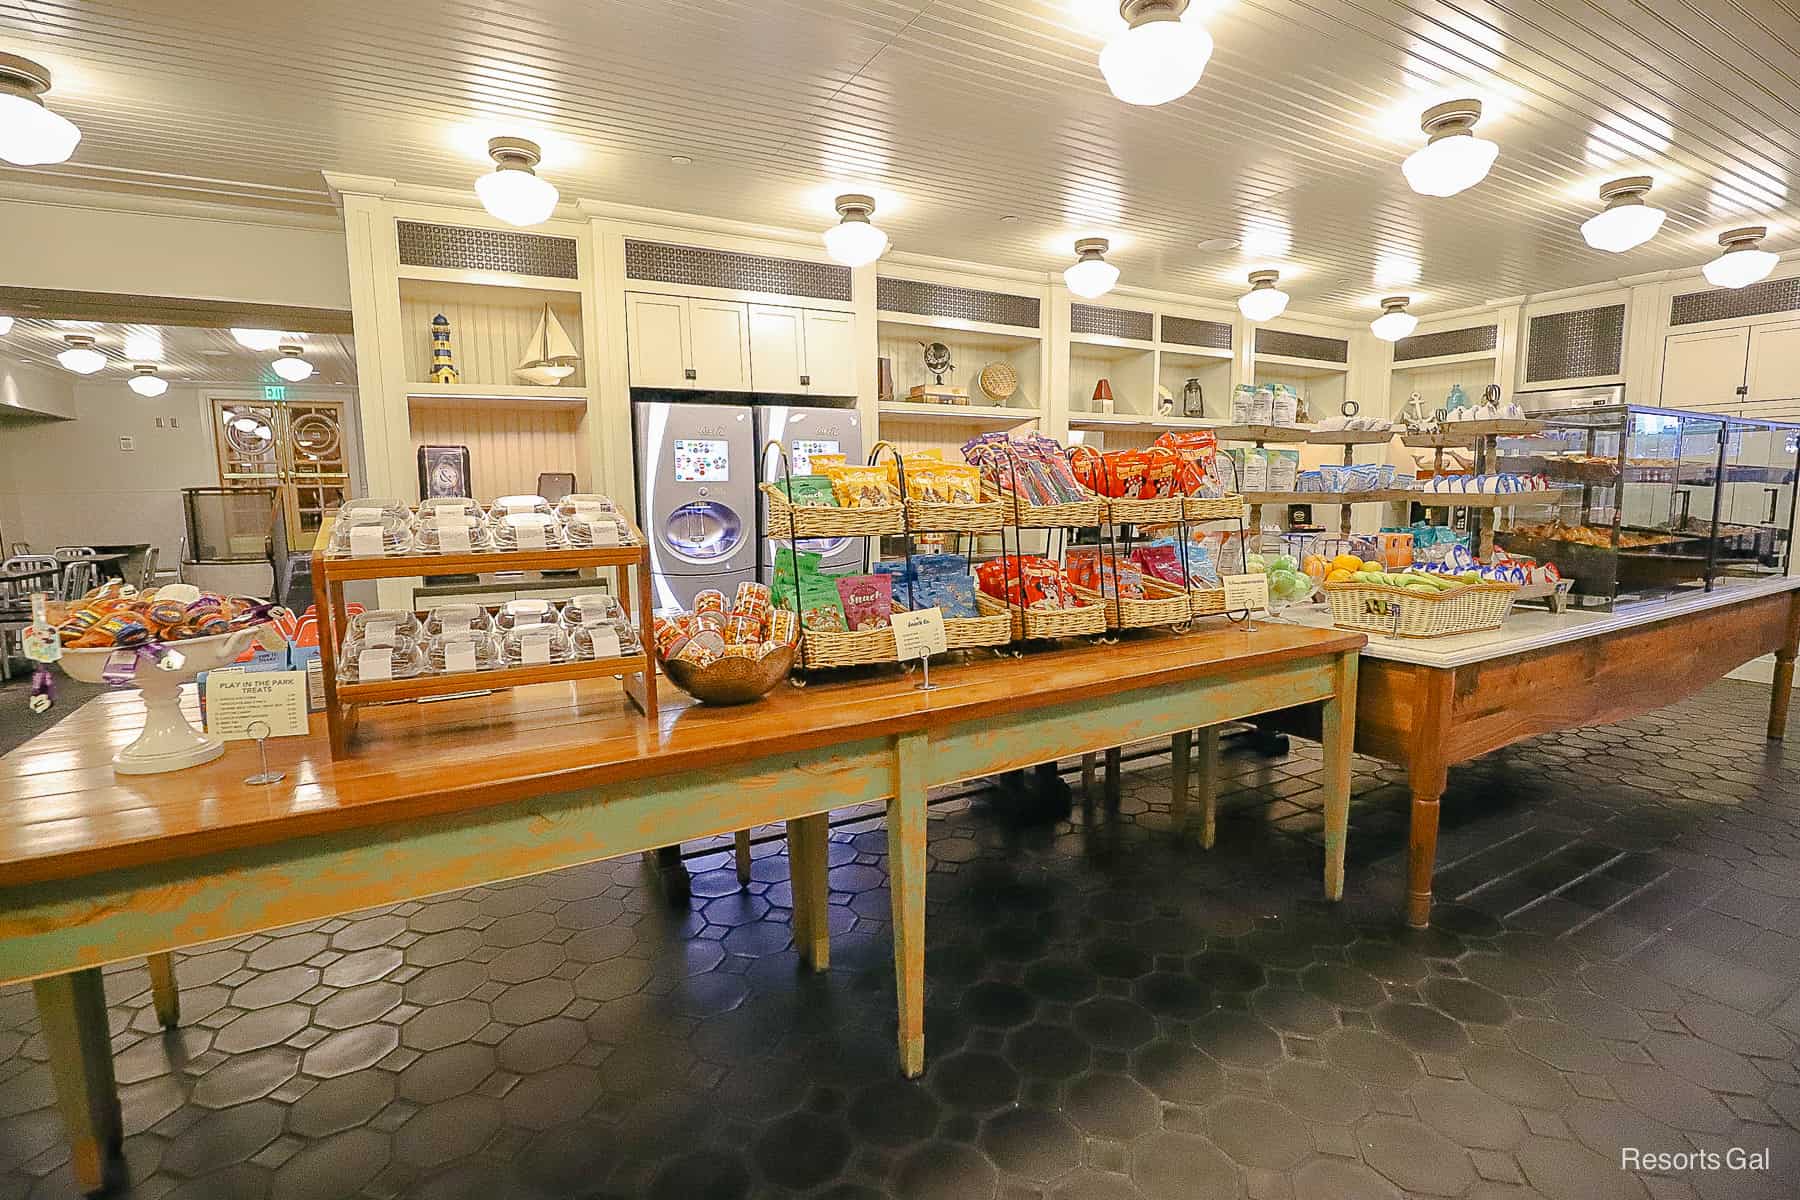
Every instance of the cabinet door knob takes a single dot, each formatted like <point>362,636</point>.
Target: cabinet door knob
<point>690,373</point>
<point>806,380</point>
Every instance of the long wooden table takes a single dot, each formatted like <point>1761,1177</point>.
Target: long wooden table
<point>97,868</point>
<point>1428,705</point>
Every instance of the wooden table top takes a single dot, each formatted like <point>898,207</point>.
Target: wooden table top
<point>64,813</point>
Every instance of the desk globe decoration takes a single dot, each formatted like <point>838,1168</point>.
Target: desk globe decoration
<point>937,360</point>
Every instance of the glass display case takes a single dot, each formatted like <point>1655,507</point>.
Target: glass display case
<point>1658,500</point>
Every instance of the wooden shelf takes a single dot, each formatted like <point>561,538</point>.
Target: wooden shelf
<point>1207,355</point>
<point>1331,499</point>
<point>1487,500</point>
<point>1261,433</point>
<point>1296,368</point>
<point>1465,433</point>
<point>1079,420</point>
<point>406,566</point>
<point>963,414</point>
<point>1349,437</point>
<point>424,686</point>
<point>973,332</point>
<point>481,393</point>
<point>1111,349</point>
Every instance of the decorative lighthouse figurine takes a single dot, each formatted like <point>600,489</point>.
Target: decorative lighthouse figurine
<point>443,360</point>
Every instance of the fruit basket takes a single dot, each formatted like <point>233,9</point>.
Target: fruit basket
<point>1412,606</point>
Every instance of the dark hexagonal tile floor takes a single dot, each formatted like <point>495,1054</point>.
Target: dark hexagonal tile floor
<point>1110,1015</point>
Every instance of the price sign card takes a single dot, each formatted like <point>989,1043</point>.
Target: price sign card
<point>238,701</point>
<point>1246,592</point>
<point>920,633</point>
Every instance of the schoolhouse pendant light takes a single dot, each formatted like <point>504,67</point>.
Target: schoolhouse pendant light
<point>1394,322</point>
<point>80,356</point>
<point>30,134</point>
<point>513,192</point>
<point>1158,57</point>
<point>1091,275</point>
<point>290,366</point>
<point>1744,261</point>
<point>1454,159</point>
<point>6,324</point>
<point>144,382</point>
<point>1264,301</point>
<point>853,241</point>
<point>1626,221</point>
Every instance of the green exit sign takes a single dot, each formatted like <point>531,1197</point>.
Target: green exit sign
<point>274,391</point>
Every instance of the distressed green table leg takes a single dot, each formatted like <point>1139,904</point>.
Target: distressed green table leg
<point>165,993</point>
<point>1207,760</point>
<point>740,844</point>
<point>1337,737</point>
<point>72,1010</point>
<point>1087,775</point>
<point>1178,780</point>
<point>906,890</point>
<point>809,841</point>
<point>1113,790</point>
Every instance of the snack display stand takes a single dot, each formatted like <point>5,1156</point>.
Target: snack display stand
<point>1482,437</point>
<point>331,572</point>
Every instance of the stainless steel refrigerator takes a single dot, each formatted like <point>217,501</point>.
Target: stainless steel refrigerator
<point>803,432</point>
<point>696,480</point>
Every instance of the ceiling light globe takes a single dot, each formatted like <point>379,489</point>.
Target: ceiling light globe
<point>1263,302</point>
<point>1091,277</point>
<point>31,135</point>
<point>83,360</point>
<point>1392,326</point>
<point>855,243</point>
<point>292,369</point>
<point>1450,164</point>
<point>1156,61</point>
<point>1740,267</point>
<point>6,324</point>
<point>516,196</point>
<point>147,385</point>
<point>257,339</point>
<point>1623,227</point>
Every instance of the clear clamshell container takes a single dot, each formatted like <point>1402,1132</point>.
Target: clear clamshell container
<point>460,651</point>
<point>457,618</point>
<point>506,505</point>
<point>528,531</point>
<point>434,506</point>
<point>536,645</point>
<point>383,626</point>
<point>595,639</point>
<point>576,502</point>
<point>370,532</point>
<point>589,528</point>
<point>580,610</point>
<point>451,533</point>
<point>517,613</point>
<point>359,662</point>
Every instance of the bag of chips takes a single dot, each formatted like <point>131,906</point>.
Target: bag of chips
<point>808,491</point>
<point>861,487</point>
<point>868,601</point>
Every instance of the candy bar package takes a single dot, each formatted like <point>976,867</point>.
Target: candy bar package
<point>808,491</point>
<point>868,601</point>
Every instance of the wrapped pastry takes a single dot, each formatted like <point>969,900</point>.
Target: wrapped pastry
<point>462,650</point>
<point>456,618</point>
<point>535,645</point>
<point>359,662</point>
<point>384,626</point>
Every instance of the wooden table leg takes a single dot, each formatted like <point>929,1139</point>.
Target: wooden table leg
<point>1428,773</point>
<point>1782,690</point>
<point>1207,762</point>
<point>906,889</point>
<point>1113,792</point>
<point>740,845</point>
<point>1087,775</point>
<point>809,843</point>
<point>164,992</point>
<point>1179,745</point>
<point>72,1010</point>
<point>1338,740</point>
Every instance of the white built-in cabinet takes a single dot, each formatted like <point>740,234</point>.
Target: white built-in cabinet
<point>696,344</point>
<point>1722,370</point>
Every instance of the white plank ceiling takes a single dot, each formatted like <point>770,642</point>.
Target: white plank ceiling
<point>183,354</point>
<point>983,125</point>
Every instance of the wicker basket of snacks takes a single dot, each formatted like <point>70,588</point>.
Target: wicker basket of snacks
<point>845,620</point>
<point>1206,602</point>
<point>973,633</point>
<point>946,497</point>
<point>801,519</point>
<point>1136,487</point>
<point>942,581</point>
<point>1044,602</point>
<point>1024,514</point>
<point>1037,624</point>
<point>1161,604</point>
<point>821,649</point>
<point>1032,481</point>
<point>1213,508</point>
<point>1133,592</point>
<point>1417,604</point>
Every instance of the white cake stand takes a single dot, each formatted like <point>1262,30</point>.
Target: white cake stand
<point>168,742</point>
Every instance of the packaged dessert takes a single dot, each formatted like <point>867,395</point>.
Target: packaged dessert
<point>516,613</point>
<point>394,510</point>
<point>360,662</point>
<point>436,506</point>
<point>604,637</point>
<point>577,502</point>
<point>861,487</point>
<point>535,645</point>
<point>451,533</point>
<point>591,527</point>
<point>528,531</point>
<point>462,650</point>
<point>507,505</point>
<point>709,600</point>
<point>868,601</point>
<point>593,606</point>
<point>456,618</point>
<point>370,533</point>
<point>384,626</point>
<point>808,491</point>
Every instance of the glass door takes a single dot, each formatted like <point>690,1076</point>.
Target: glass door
<point>297,448</point>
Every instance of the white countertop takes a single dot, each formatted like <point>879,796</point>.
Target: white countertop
<point>1532,628</point>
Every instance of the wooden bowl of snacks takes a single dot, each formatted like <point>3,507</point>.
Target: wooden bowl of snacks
<point>731,680</point>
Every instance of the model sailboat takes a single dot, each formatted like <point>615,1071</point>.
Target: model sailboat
<point>550,356</point>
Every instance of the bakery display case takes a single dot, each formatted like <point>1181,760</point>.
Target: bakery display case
<point>1658,500</point>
